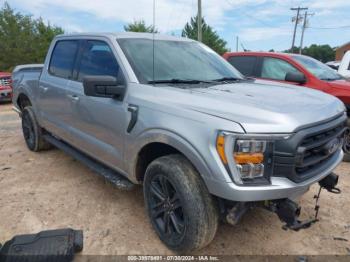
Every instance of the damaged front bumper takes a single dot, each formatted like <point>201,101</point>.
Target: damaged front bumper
<point>280,187</point>
<point>286,209</point>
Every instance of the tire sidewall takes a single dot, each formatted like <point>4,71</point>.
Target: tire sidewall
<point>190,195</point>
<point>29,113</point>
<point>346,146</point>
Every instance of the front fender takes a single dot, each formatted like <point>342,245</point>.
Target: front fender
<point>169,138</point>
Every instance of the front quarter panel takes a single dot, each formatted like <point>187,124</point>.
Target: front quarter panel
<point>192,133</point>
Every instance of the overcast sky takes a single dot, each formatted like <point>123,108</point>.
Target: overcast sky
<point>260,24</point>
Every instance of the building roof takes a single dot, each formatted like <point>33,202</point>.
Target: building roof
<point>348,43</point>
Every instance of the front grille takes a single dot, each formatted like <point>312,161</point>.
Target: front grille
<point>5,81</point>
<point>313,147</point>
<point>309,151</point>
<point>347,109</point>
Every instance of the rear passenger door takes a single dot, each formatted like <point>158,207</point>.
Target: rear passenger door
<point>52,102</point>
<point>246,65</point>
<point>98,124</point>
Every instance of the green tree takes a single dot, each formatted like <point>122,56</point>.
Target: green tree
<point>210,36</point>
<point>140,26</point>
<point>323,53</point>
<point>23,39</point>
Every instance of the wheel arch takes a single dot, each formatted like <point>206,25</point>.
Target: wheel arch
<point>157,143</point>
<point>23,100</point>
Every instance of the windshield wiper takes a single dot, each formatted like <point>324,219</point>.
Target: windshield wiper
<point>331,79</point>
<point>179,81</point>
<point>227,79</point>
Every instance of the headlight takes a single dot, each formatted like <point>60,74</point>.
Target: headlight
<point>248,159</point>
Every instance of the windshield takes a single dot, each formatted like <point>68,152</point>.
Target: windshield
<point>175,61</point>
<point>320,70</point>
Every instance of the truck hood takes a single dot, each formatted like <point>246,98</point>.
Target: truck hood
<point>264,106</point>
<point>5,74</point>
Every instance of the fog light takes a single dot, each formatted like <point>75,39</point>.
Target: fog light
<point>251,171</point>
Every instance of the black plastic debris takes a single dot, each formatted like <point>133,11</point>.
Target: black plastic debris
<point>52,245</point>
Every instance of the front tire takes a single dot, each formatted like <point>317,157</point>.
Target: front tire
<point>346,146</point>
<point>181,210</point>
<point>32,132</point>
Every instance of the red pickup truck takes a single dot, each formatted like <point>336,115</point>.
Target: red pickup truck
<point>294,69</point>
<point>5,87</point>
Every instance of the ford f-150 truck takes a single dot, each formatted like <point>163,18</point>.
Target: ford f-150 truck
<point>169,113</point>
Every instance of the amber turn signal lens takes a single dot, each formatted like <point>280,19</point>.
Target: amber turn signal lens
<point>256,158</point>
<point>220,147</point>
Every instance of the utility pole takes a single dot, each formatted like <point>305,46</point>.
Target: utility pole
<point>297,19</point>
<point>237,39</point>
<point>305,25</point>
<point>199,22</point>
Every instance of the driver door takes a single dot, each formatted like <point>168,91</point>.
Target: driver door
<point>276,69</point>
<point>99,124</point>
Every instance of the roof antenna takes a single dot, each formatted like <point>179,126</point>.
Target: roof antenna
<point>153,32</point>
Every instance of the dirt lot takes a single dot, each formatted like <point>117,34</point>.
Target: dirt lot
<point>51,190</point>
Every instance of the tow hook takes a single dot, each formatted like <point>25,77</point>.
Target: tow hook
<point>288,211</point>
<point>329,183</point>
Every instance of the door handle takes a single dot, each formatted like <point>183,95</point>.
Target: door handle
<point>74,98</point>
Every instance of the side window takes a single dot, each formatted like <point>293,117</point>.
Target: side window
<point>244,64</point>
<point>63,58</point>
<point>97,59</point>
<point>275,68</point>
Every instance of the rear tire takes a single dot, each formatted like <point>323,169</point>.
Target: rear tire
<point>181,210</point>
<point>32,132</point>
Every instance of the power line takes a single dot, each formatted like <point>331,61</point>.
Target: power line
<point>338,27</point>
<point>252,17</point>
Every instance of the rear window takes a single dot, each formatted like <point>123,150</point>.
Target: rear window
<point>244,64</point>
<point>63,58</point>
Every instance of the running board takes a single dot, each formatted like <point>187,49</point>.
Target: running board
<point>110,175</point>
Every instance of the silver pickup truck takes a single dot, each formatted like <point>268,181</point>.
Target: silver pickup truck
<point>169,113</point>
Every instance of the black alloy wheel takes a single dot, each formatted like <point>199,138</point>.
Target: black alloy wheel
<point>32,132</point>
<point>166,208</point>
<point>181,210</point>
<point>28,130</point>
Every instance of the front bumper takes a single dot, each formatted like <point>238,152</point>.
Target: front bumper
<point>280,187</point>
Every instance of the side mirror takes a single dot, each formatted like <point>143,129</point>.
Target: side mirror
<point>295,77</point>
<point>103,86</point>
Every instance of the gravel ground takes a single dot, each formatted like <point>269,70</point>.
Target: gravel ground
<point>49,190</point>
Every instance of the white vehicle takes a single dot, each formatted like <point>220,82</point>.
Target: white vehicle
<point>334,64</point>
<point>344,68</point>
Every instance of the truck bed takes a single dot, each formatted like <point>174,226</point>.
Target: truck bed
<point>25,76</point>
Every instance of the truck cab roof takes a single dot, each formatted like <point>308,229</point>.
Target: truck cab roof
<point>121,35</point>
